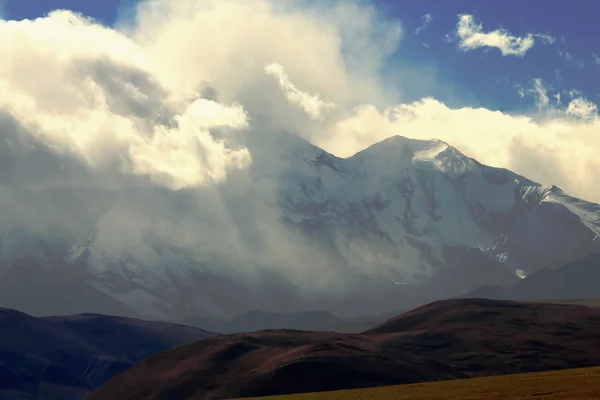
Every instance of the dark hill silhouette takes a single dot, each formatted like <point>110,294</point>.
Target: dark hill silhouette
<point>65,357</point>
<point>42,292</point>
<point>577,279</point>
<point>474,269</point>
<point>442,340</point>
<point>309,321</point>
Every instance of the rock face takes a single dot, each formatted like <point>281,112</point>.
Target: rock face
<point>301,229</point>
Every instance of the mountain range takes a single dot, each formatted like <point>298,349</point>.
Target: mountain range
<point>298,230</point>
<point>307,321</point>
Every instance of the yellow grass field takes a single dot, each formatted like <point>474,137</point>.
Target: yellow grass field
<point>570,384</point>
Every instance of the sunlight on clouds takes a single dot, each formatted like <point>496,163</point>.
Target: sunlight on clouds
<point>171,156</point>
<point>472,37</point>
<point>552,151</point>
<point>133,100</point>
<point>583,108</point>
<point>311,104</point>
<point>87,90</point>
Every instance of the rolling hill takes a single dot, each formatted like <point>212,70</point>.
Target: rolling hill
<point>443,340</point>
<point>65,357</point>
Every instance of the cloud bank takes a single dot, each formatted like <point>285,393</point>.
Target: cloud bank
<point>471,36</point>
<point>312,105</point>
<point>154,126</point>
<point>174,95</point>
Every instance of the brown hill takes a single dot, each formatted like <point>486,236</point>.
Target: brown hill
<point>442,340</point>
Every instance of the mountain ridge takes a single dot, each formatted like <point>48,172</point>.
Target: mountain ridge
<point>302,229</point>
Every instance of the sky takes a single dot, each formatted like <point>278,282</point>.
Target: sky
<point>137,89</point>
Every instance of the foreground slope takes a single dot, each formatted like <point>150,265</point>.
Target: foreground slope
<point>65,357</point>
<point>569,384</point>
<point>442,340</point>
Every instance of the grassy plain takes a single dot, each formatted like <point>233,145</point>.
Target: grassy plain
<point>570,384</point>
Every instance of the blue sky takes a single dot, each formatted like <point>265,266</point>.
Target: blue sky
<point>479,77</point>
<point>489,75</point>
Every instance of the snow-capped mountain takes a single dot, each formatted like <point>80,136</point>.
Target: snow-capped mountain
<point>300,228</point>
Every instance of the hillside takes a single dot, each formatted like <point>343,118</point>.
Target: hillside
<point>67,356</point>
<point>442,340</point>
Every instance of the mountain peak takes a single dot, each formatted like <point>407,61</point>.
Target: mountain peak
<point>406,145</point>
<point>433,154</point>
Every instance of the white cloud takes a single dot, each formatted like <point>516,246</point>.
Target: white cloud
<point>90,92</point>
<point>579,106</point>
<point>596,58</point>
<point>552,151</point>
<point>557,97</point>
<point>541,95</point>
<point>546,39</point>
<point>583,108</point>
<point>427,19</point>
<point>471,36</point>
<point>179,98</point>
<point>311,104</point>
<point>128,101</point>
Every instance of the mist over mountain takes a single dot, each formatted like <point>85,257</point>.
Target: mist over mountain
<point>298,230</point>
<point>145,171</point>
<point>574,280</point>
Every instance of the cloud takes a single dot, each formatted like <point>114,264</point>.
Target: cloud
<point>86,91</point>
<point>471,36</point>
<point>579,106</point>
<point>134,101</point>
<point>552,150</point>
<point>170,108</point>
<point>596,58</point>
<point>541,95</point>
<point>312,105</point>
<point>583,108</point>
<point>568,57</point>
<point>427,19</point>
<point>154,125</point>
